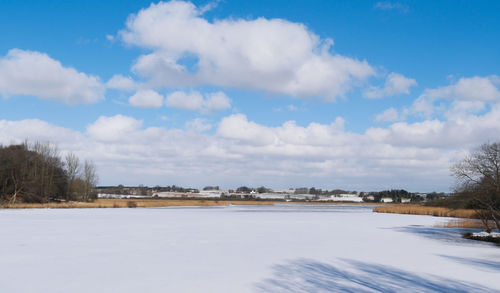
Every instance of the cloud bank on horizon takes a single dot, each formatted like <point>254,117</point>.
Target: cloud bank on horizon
<point>213,74</point>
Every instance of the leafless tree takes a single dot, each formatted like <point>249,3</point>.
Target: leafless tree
<point>37,173</point>
<point>73,172</point>
<point>478,176</point>
<point>90,178</point>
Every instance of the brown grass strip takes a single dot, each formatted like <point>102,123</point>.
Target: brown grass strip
<point>462,223</point>
<point>425,210</point>
<point>148,203</point>
<point>132,203</point>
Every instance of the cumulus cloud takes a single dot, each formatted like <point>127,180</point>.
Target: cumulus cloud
<point>272,55</point>
<point>194,101</point>
<point>188,101</point>
<point>31,73</point>
<point>395,84</point>
<point>217,101</point>
<point>475,88</point>
<point>389,115</point>
<point>198,125</point>
<point>18,131</point>
<point>414,155</point>
<point>464,108</point>
<point>146,99</point>
<point>456,131</point>
<point>238,127</point>
<point>474,91</point>
<point>113,128</point>
<point>120,82</point>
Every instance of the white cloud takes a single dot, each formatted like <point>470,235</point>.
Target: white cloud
<point>473,88</point>
<point>18,131</point>
<point>209,6</point>
<point>290,107</point>
<point>194,101</point>
<point>464,108</point>
<point>389,115</point>
<point>395,84</point>
<point>272,55</point>
<point>146,99</point>
<point>238,127</point>
<point>188,101</point>
<point>388,5</point>
<point>113,128</point>
<point>217,101</point>
<point>120,82</point>
<point>465,131</point>
<point>198,125</point>
<point>477,91</point>
<point>416,156</point>
<point>36,74</point>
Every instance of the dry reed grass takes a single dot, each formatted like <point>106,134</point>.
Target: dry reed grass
<point>148,203</point>
<point>128,203</point>
<point>462,223</point>
<point>425,210</point>
<point>467,218</point>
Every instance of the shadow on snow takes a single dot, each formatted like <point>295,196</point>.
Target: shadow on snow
<point>354,276</point>
<point>490,265</point>
<point>449,235</point>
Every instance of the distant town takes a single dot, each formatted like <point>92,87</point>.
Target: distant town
<point>263,193</point>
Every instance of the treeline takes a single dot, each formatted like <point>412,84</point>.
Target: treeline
<point>395,194</point>
<point>175,188</point>
<point>319,191</point>
<point>37,173</point>
<point>143,190</point>
<point>300,190</point>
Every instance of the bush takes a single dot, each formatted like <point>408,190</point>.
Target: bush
<point>131,204</point>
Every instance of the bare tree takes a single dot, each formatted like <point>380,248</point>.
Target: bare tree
<point>37,173</point>
<point>478,176</point>
<point>45,171</point>
<point>90,178</point>
<point>73,172</point>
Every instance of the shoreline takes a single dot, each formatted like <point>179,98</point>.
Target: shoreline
<point>170,202</point>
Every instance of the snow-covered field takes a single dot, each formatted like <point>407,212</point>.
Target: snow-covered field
<point>284,248</point>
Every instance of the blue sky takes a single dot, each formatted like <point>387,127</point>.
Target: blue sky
<point>411,85</point>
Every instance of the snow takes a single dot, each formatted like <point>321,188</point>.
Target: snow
<point>486,234</point>
<point>111,195</point>
<point>282,248</point>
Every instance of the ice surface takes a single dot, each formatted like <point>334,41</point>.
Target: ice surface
<point>283,248</point>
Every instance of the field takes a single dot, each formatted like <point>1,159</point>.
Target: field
<point>266,248</point>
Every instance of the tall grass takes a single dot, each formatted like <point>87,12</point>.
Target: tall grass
<point>147,203</point>
<point>465,218</point>
<point>127,203</point>
<point>462,223</point>
<point>426,210</point>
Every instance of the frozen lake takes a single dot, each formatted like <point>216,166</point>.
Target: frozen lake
<point>283,248</point>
